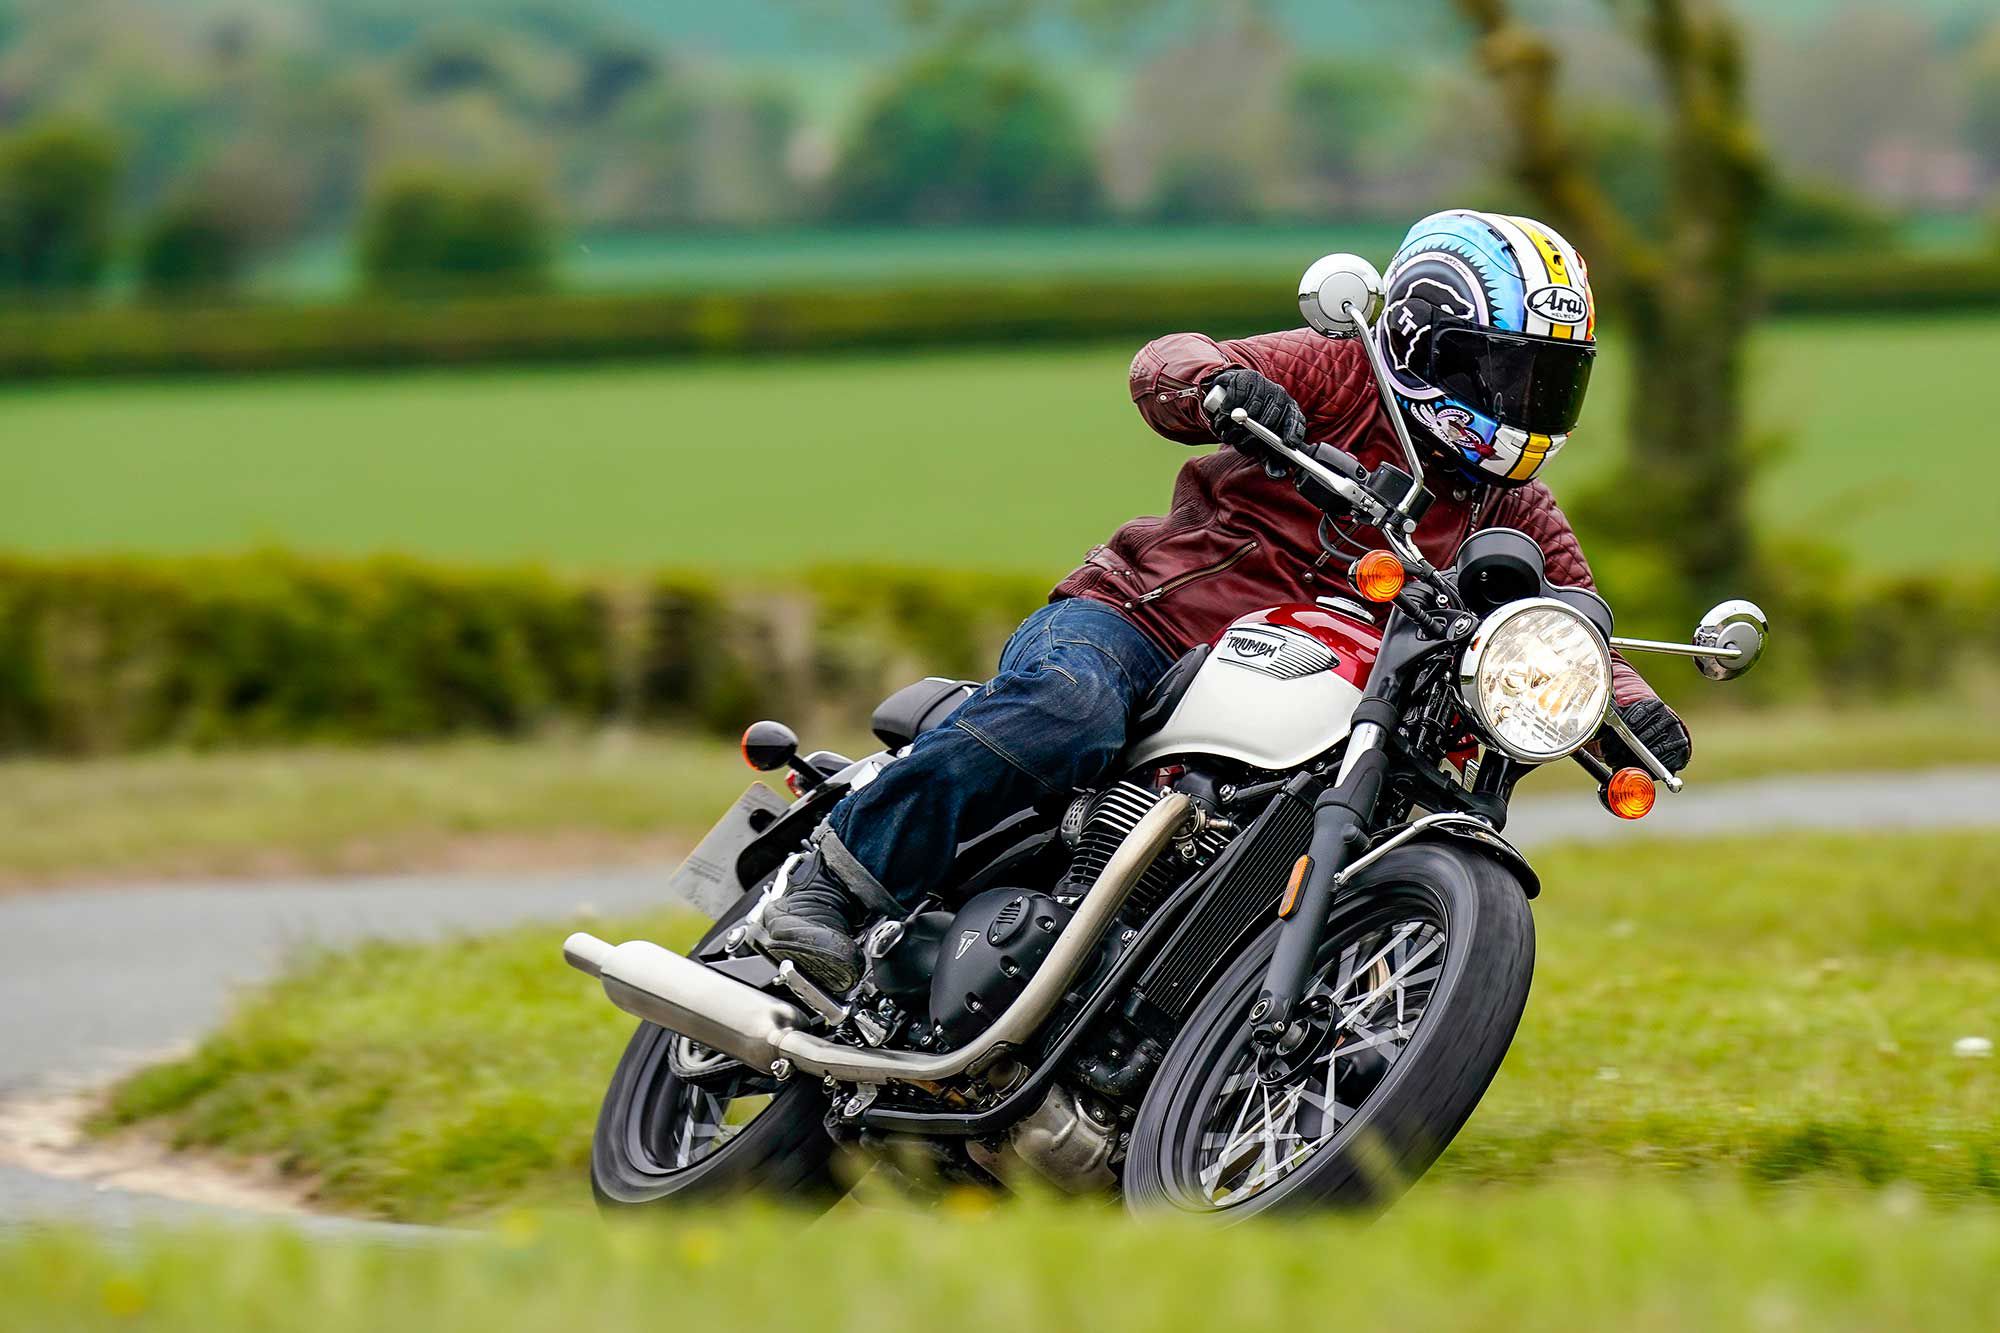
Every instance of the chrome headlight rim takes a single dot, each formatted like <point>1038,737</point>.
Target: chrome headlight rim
<point>1480,645</point>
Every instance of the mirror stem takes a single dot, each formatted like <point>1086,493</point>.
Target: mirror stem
<point>1726,654</point>
<point>1380,369</point>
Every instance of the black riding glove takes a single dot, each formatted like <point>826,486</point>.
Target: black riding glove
<point>1268,405</point>
<point>1657,729</point>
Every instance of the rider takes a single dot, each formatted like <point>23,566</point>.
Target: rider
<point>1489,331</point>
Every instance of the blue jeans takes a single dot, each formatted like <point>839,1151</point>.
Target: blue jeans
<point>1053,720</point>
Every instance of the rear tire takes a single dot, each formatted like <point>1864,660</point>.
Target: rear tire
<point>1418,1098</point>
<point>642,1152</point>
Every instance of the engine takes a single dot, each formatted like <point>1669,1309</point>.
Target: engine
<point>1097,823</point>
<point>975,962</point>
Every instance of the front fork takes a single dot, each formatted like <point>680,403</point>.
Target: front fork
<point>1341,819</point>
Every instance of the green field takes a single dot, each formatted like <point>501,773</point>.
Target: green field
<point>1792,1022</point>
<point>862,257</point>
<point>1578,1256</point>
<point>1015,460</point>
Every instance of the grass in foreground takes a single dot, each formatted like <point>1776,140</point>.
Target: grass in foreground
<point>580,799</point>
<point>1770,1010</point>
<point>1015,459</point>
<point>1574,1256</point>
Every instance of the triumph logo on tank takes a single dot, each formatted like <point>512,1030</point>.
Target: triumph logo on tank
<point>1252,646</point>
<point>1558,305</point>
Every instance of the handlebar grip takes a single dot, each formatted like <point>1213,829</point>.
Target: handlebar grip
<point>1338,459</point>
<point>1213,401</point>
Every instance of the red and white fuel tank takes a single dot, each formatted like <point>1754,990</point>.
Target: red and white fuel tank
<point>1276,688</point>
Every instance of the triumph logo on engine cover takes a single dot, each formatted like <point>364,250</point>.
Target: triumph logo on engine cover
<point>966,939</point>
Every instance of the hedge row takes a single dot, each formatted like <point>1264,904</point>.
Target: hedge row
<point>559,327</point>
<point>105,655</point>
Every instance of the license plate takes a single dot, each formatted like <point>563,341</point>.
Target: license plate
<point>707,881</point>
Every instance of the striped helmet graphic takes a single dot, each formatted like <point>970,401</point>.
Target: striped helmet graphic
<point>1490,331</point>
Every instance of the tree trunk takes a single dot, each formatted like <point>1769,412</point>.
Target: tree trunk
<point>1681,290</point>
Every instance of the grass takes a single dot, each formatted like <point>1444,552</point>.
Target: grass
<point>697,261</point>
<point>1578,1256</point>
<point>1017,460</point>
<point>1745,1011</point>
<point>349,811</point>
<point>573,799</point>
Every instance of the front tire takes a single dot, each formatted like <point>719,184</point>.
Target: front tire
<point>1433,943</point>
<point>664,1136</point>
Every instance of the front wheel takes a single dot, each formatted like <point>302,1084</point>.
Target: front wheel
<point>1420,984</point>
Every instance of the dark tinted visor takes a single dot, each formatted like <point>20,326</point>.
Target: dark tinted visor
<point>1535,384</point>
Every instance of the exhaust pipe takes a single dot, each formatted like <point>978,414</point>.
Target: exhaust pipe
<point>682,996</point>
<point>722,1013</point>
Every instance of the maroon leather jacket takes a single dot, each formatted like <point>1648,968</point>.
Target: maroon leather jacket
<point>1237,540</point>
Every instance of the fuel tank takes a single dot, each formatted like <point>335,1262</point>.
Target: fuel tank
<point>1277,688</point>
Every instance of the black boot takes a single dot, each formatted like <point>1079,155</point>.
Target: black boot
<point>814,924</point>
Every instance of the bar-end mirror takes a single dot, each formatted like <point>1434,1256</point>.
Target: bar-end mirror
<point>1736,625</point>
<point>1331,285</point>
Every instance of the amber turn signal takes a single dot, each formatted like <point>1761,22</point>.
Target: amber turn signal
<point>1289,903</point>
<point>1629,794</point>
<point>1378,576</point>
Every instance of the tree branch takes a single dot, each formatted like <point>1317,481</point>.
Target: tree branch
<point>1523,65</point>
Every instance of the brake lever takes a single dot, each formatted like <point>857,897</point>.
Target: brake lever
<point>1651,761</point>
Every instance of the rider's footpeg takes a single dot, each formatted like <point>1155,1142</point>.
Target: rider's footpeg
<point>815,999</point>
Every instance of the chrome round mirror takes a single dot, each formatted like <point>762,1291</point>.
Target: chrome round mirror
<point>1735,624</point>
<point>1334,283</point>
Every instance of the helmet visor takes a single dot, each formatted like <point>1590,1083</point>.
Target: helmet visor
<point>1532,383</point>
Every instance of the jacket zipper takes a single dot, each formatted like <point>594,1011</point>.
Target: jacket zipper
<point>1182,580</point>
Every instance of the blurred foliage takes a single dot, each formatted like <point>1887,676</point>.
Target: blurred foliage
<point>956,139</point>
<point>1803,215</point>
<point>1982,92</point>
<point>1343,114</point>
<point>476,328</point>
<point>423,233</point>
<point>193,249</point>
<point>106,655</point>
<point>1627,154</point>
<point>57,186</point>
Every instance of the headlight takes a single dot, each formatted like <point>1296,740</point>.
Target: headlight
<point>1538,678</point>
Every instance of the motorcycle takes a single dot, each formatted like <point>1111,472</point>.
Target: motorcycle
<point>1273,965</point>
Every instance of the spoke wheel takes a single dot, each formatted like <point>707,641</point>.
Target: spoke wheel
<point>682,1122</point>
<point>1419,985</point>
<point>1272,1111</point>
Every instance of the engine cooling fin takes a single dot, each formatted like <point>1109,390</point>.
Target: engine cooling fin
<point>1105,824</point>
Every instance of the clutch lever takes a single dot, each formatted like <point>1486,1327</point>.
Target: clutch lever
<point>1390,522</point>
<point>1345,487</point>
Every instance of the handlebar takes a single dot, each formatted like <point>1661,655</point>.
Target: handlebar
<point>1343,475</point>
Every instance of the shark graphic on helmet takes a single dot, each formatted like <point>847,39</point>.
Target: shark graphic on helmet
<point>1489,332</point>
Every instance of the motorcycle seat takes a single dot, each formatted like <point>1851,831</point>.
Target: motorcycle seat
<point>916,709</point>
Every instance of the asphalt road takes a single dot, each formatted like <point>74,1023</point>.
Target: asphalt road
<point>95,981</point>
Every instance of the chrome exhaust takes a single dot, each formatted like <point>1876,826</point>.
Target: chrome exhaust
<point>719,1012</point>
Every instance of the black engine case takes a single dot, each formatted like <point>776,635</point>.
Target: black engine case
<point>996,942</point>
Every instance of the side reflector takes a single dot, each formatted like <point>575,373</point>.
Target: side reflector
<point>1289,903</point>
<point>1378,576</point>
<point>1629,794</point>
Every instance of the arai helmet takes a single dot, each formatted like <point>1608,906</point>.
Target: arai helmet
<point>1489,330</point>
